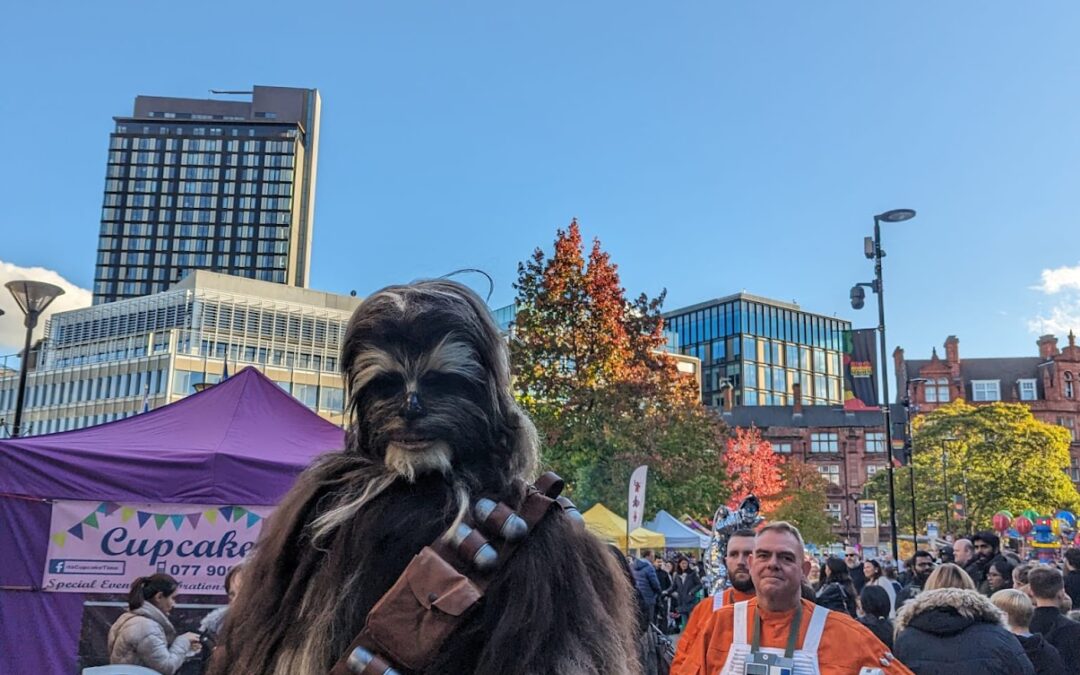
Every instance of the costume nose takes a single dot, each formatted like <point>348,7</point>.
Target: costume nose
<point>412,408</point>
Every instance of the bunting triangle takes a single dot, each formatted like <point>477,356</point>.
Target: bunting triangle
<point>143,517</point>
<point>177,521</point>
<point>111,508</point>
<point>76,531</point>
<point>159,519</point>
<point>60,538</point>
<point>211,516</point>
<point>238,513</point>
<point>226,511</point>
<point>252,518</point>
<point>193,518</point>
<point>102,508</point>
<point>91,519</point>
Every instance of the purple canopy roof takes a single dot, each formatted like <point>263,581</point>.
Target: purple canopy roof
<point>242,441</point>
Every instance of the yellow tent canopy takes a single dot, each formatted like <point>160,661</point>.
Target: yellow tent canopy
<point>611,527</point>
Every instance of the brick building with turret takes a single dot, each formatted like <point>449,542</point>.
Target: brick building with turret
<point>1047,383</point>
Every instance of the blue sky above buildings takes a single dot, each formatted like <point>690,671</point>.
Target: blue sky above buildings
<point>713,147</point>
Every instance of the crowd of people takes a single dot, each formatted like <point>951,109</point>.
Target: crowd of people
<point>972,608</point>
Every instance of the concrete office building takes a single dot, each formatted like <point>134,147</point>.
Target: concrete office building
<point>110,361</point>
<point>222,185</point>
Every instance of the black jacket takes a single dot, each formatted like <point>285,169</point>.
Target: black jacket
<point>837,598</point>
<point>858,577</point>
<point>1061,632</point>
<point>1072,587</point>
<point>951,631</point>
<point>684,591</point>
<point>1042,654</point>
<point>881,628</point>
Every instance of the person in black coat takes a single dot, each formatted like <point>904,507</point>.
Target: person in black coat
<point>1018,612</point>
<point>685,585</point>
<point>1072,576</point>
<point>854,565</point>
<point>1048,590</point>
<point>950,629</point>
<point>837,592</point>
<point>875,613</point>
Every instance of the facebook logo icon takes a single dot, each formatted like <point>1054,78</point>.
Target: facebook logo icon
<point>56,566</point>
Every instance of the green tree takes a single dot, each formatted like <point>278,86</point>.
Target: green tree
<point>590,369</point>
<point>996,456</point>
<point>802,502</point>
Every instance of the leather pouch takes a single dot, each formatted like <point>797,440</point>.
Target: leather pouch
<point>427,603</point>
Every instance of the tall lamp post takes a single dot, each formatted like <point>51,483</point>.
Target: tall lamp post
<point>33,297</point>
<point>909,405</point>
<point>872,250</point>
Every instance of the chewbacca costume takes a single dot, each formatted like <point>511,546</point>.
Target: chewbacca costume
<point>433,428</point>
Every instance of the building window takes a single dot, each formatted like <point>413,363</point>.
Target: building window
<point>875,441</point>
<point>834,510</point>
<point>782,448</point>
<point>831,472</point>
<point>1069,424</point>
<point>1074,470</point>
<point>986,390</point>
<point>1027,389</point>
<point>872,469</point>
<point>937,390</point>
<point>1068,385</point>
<point>824,442</point>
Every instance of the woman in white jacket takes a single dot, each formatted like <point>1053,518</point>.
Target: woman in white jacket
<point>143,635</point>
<point>874,577</point>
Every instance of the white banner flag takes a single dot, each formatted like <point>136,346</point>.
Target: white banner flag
<point>635,508</point>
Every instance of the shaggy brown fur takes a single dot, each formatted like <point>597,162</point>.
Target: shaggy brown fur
<point>434,426</point>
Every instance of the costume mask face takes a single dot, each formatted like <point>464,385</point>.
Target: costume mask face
<point>429,382</point>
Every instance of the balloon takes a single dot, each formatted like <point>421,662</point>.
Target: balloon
<point>1030,514</point>
<point>1067,517</point>
<point>1002,521</point>
<point>1007,513</point>
<point>1055,526</point>
<point>1023,526</point>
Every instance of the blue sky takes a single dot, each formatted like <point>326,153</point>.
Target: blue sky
<point>712,147</point>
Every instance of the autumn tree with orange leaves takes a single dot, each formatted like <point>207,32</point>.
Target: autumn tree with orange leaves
<point>590,369</point>
<point>754,468</point>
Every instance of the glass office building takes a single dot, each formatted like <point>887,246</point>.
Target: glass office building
<point>223,185</point>
<point>761,348</point>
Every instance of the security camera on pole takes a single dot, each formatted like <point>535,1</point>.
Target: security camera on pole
<point>872,250</point>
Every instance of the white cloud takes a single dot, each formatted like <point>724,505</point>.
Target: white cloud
<point>12,329</point>
<point>1060,279</point>
<point>1063,317</point>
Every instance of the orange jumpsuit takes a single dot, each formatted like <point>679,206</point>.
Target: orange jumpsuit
<point>846,646</point>
<point>701,618</point>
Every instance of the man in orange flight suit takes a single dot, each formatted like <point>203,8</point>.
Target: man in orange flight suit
<point>740,548</point>
<point>827,643</point>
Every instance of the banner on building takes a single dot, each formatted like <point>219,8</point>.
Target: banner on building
<point>635,501</point>
<point>860,370</point>
<point>101,547</point>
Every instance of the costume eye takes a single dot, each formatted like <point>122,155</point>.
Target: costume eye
<point>385,384</point>
<point>440,381</point>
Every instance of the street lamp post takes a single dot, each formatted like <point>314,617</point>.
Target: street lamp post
<point>910,404</point>
<point>32,297</point>
<point>872,249</point>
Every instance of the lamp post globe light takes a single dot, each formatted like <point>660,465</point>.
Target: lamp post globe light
<point>872,250</point>
<point>32,297</point>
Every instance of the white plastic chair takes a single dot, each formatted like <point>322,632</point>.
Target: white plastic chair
<point>119,669</point>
